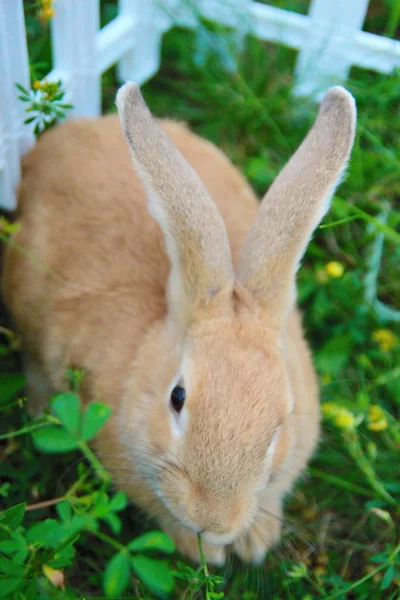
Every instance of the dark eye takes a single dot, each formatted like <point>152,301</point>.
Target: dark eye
<point>178,397</point>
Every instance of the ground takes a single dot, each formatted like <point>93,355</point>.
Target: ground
<point>341,536</point>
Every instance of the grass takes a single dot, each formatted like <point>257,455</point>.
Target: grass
<point>342,534</point>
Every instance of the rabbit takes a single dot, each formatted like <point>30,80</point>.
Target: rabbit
<point>174,290</point>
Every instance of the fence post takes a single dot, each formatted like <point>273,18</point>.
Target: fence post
<point>152,19</point>
<point>74,30</point>
<point>236,14</point>
<point>326,57</point>
<point>15,136</point>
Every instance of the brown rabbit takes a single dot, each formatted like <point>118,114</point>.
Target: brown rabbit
<point>184,321</point>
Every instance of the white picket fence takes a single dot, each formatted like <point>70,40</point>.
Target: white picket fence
<point>329,40</point>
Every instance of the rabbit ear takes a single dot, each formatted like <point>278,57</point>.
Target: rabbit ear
<point>294,205</point>
<point>195,233</point>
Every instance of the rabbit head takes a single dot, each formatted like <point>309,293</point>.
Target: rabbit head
<point>211,382</point>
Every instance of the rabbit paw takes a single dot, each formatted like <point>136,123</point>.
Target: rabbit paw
<point>253,545</point>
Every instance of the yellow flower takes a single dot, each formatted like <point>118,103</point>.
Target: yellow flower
<point>334,269</point>
<point>329,409</point>
<point>385,338</point>
<point>37,84</point>
<point>375,412</point>
<point>46,11</point>
<point>377,418</point>
<point>49,88</point>
<point>344,419</point>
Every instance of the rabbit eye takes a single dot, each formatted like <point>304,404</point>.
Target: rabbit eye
<point>178,397</point>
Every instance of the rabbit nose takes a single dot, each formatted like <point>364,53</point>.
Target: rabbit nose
<point>204,519</point>
<point>214,512</point>
<point>208,523</point>
<point>211,519</point>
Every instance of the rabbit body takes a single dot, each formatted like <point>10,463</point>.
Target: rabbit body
<point>90,289</point>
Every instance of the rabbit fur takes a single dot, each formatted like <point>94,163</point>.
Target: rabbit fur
<point>170,273</point>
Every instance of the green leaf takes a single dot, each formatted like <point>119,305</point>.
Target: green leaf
<point>388,577</point>
<point>64,511</point>
<point>95,415</point>
<point>334,355</point>
<point>21,88</point>
<point>63,558</point>
<point>54,439</point>
<point>10,584</point>
<point>10,385</point>
<point>67,407</point>
<point>378,558</point>
<point>154,540</point>
<point>52,534</point>
<point>116,576</point>
<point>9,546</point>
<point>39,533</point>
<point>118,502</point>
<point>113,522</point>
<point>156,574</point>
<point>31,591</point>
<point>8,567</point>
<point>12,517</point>
<point>101,507</point>
<point>16,546</point>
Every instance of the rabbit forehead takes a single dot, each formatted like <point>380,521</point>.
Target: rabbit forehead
<point>236,401</point>
<point>231,362</point>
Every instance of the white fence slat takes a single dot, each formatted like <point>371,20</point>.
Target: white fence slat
<point>277,25</point>
<point>114,41</point>
<point>74,30</point>
<point>151,19</point>
<point>233,13</point>
<point>327,53</point>
<point>330,40</point>
<point>376,52</point>
<point>15,137</point>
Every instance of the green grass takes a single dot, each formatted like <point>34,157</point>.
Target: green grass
<point>342,534</point>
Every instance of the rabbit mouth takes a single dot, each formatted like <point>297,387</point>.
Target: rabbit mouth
<point>219,539</point>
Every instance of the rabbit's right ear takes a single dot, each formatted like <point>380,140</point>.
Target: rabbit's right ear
<point>293,207</point>
<point>195,233</point>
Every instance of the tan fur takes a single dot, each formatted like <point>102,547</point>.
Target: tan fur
<point>294,205</point>
<point>90,289</point>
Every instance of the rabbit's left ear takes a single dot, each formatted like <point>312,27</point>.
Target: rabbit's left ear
<point>293,207</point>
